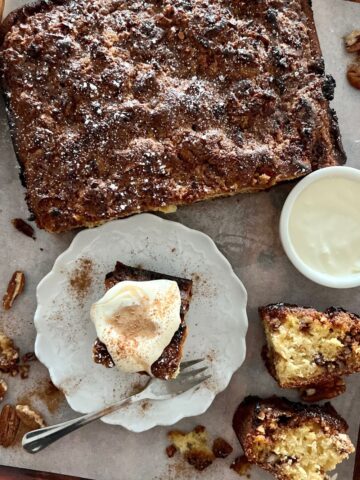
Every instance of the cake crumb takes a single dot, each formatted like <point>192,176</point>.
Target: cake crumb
<point>221,448</point>
<point>241,466</point>
<point>194,446</point>
<point>170,450</point>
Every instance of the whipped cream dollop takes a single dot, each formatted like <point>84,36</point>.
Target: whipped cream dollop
<point>136,321</point>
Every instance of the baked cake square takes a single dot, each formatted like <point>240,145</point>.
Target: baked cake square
<point>167,366</point>
<point>291,440</point>
<point>308,348</point>
<point>124,106</point>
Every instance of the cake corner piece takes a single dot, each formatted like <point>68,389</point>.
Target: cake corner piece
<point>309,348</point>
<point>275,433</point>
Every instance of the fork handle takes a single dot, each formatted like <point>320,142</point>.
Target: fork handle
<point>37,440</point>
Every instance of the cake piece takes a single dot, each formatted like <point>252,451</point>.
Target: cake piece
<point>167,366</point>
<point>121,107</point>
<point>308,348</point>
<point>291,440</point>
<point>194,446</point>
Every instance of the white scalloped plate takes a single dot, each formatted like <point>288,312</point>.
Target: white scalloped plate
<point>217,317</point>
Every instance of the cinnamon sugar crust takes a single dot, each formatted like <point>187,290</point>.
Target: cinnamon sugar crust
<point>118,107</point>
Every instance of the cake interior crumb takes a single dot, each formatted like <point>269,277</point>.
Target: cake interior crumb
<point>302,347</point>
<point>194,446</point>
<point>303,453</point>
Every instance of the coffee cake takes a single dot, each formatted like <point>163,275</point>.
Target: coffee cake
<point>307,348</point>
<point>118,107</point>
<point>290,440</point>
<point>167,366</point>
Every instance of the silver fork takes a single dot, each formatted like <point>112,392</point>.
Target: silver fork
<point>155,389</point>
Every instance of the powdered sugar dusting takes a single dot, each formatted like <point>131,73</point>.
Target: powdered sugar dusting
<point>126,106</point>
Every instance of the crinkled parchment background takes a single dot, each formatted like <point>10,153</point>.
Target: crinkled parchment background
<point>245,229</point>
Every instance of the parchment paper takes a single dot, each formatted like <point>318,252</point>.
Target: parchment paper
<point>245,228</point>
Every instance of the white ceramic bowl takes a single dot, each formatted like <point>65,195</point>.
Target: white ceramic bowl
<point>217,317</point>
<point>314,275</point>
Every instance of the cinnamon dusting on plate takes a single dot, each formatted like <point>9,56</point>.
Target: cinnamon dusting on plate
<point>81,278</point>
<point>46,391</point>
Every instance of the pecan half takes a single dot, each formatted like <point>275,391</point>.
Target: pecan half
<point>9,425</point>
<point>29,417</point>
<point>24,227</point>
<point>3,389</point>
<point>9,354</point>
<point>353,75</point>
<point>15,287</point>
<point>352,41</point>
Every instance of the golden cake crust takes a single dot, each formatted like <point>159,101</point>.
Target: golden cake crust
<point>173,104</point>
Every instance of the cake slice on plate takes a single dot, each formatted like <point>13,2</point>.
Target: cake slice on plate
<point>167,364</point>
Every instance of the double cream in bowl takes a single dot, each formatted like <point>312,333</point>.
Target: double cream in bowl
<point>320,227</point>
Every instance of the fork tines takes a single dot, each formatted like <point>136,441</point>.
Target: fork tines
<point>190,363</point>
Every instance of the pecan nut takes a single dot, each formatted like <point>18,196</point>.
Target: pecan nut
<point>352,41</point>
<point>9,354</point>
<point>9,425</point>
<point>15,287</point>
<point>29,417</point>
<point>23,227</point>
<point>3,389</point>
<point>353,75</point>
